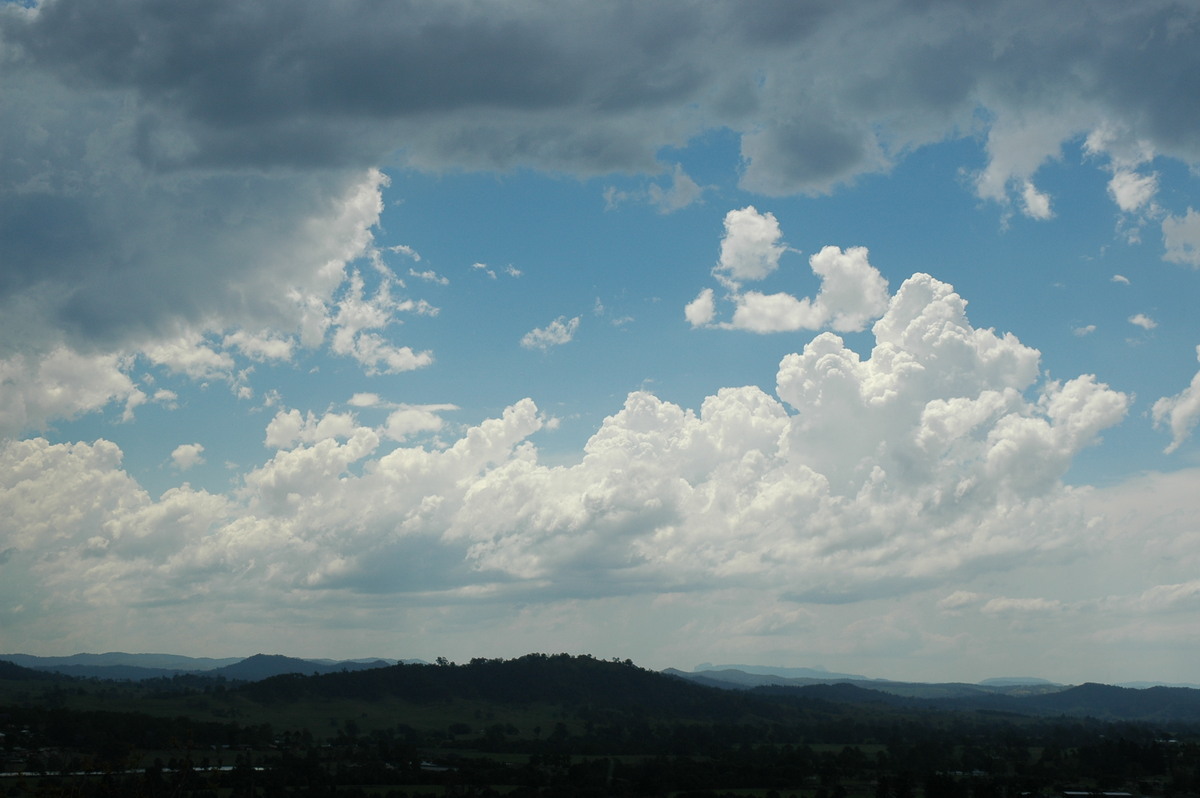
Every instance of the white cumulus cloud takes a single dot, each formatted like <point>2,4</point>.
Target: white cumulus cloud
<point>1143,321</point>
<point>701,310</point>
<point>187,455</point>
<point>938,456</point>
<point>751,247</point>
<point>1180,412</point>
<point>556,333</point>
<point>852,293</point>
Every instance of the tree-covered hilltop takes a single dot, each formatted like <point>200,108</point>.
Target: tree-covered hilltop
<point>535,678</point>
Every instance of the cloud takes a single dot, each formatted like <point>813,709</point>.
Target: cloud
<point>261,346</point>
<point>810,155</point>
<point>1177,597</point>
<point>701,310</point>
<point>510,270</point>
<point>408,420</point>
<point>1083,330</point>
<point>404,249</point>
<point>1021,606</point>
<point>187,455</point>
<point>683,192</point>
<point>167,398</point>
<point>290,427</point>
<point>1035,204</point>
<point>207,331</point>
<point>429,276</point>
<point>959,600</point>
<point>60,384</point>
<point>1181,236</point>
<point>1143,321</point>
<point>556,333</point>
<point>1120,278</point>
<point>750,248</point>
<point>565,100</point>
<point>1132,191</point>
<point>852,291</point>
<point>356,318</point>
<point>193,355</point>
<point>937,457</point>
<point>1180,412</point>
<point>204,213</point>
<point>153,202</point>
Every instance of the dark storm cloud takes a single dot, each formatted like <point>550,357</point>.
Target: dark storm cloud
<point>304,75</point>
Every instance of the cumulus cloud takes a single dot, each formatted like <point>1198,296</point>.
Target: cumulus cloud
<point>408,420</point>
<point>701,310</point>
<point>1035,204</point>
<point>262,345</point>
<point>556,333</point>
<point>1180,412</point>
<point>1181,235</point>
<point>1143,321</point>
<point>751,247</point>
<point>937,456</point>
<point>60,384</point>
<point>1082,330</point>
<point>187,455</point>
<point>290,427</point>
<point>1132,191</point>
<point>852,291</point>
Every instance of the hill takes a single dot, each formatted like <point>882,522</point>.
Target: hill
<point>264,666</point>
<point>10,671</point>
<point>535,678</point>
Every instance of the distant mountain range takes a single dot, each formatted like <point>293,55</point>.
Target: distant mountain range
<point>136,667</point>
<point>819,674</point>
<point>748,676</point>
<point>735,678</point>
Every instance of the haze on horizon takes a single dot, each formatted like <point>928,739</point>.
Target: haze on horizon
<point>851,334</point>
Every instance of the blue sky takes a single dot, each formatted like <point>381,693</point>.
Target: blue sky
<point>675,332</point>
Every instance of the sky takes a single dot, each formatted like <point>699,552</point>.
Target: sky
<point>846,335</point>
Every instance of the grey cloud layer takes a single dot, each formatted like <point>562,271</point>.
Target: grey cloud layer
<point>307,82</point>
